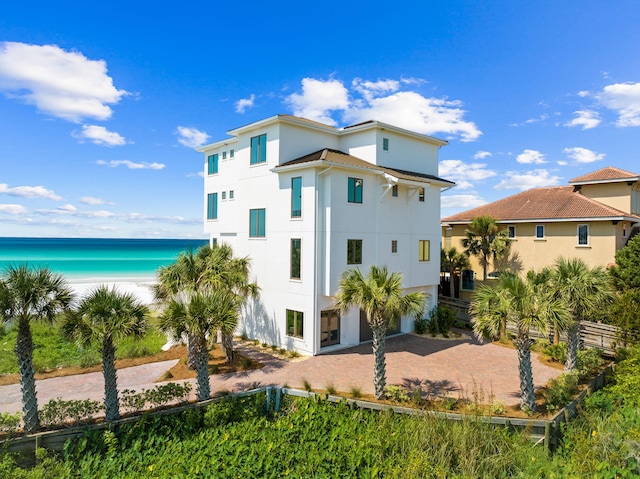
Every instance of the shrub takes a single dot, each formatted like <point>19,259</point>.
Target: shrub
<point>561,390</point>
<point>590,362</point>
<point>556,352</point>
<point>9,423</point>
<point>58,411</point>
<point>441,319</point>
<point>159,396</point>
<point>356,392</point>
<point>396,393</point>
<point>420,325</point>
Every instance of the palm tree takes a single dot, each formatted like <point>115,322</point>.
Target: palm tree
<point>378,294</point>
<point>27,295</point>
<point>583,290</point>
<point>201,317</point>
<point>524,303</point>
<point>452,261</point>
<point>485,239</point>
<point>106,316</point>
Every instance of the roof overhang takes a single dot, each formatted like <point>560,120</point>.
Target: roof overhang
<point>631,219</point>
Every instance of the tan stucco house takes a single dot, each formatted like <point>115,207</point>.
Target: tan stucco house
<point>591,218</point>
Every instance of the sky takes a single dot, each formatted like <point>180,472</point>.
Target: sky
<point>103,103</point>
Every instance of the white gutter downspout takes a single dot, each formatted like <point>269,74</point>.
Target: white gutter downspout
<point>316,278</point>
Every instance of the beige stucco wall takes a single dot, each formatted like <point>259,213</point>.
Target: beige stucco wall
<point>616,195</point>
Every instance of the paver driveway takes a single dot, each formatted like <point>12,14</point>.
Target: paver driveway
<point>455,367</point>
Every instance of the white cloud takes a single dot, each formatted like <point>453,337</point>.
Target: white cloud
<point>131,165</point>
<point>318,99</point>
<point>29,192</point>
<point>464,173</point>
<point>583,93</point>
<point>542,117</point>
<point>583,155</point>
<point>624,99</point>
<point>244,103</point>
<point>13,209</point>
<point>587,119</point>
<point>481,155</point>
<point>563,163</point>
<point>524,180</point>
<point>67,207</point>
<point>370,90</point>
<point>530,157</point>
<point>461,201</point>
<point>191,137</point>
<point>100,136</point>
<point>59,83</point>
<point>91,200</point>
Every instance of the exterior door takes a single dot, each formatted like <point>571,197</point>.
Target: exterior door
<point>366,334</point>
<point>329,328</point>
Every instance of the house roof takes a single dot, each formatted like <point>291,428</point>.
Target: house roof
<point>610,174</point>
<point>543,204</point>
<point>328,156</point>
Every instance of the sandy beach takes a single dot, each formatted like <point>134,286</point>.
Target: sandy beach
<point>139,287</point>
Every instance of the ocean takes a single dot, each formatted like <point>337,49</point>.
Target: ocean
<point>96,259</point>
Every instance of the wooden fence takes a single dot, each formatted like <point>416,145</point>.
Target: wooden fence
<point>592,335</point>
<point>540,431</point>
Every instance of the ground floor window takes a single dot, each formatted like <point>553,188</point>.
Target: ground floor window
<point>468,279</point>
<point>295,323</point>
<point>329,327</point>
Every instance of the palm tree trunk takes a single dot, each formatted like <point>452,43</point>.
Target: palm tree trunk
<point>111,401</point>
<point>24,353</point>
<point>379,373</point>
<point>192,347</point>
<point>573,342</point>
<point>203,389</point>
<point>556,335</point>
<point>503,328</point>
<point>227,346</point>
<point>527,395</point>
<point>452,287</point>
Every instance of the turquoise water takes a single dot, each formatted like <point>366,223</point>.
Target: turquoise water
<point>95,258</point>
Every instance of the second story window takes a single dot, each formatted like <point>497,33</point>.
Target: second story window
<point>259,149</point>
<point>424,253</point>
<point>394,246</point>
<point>257,219</point>
<point>296,249</point>
<point>232,153</point>
<point>212,164</point>
<point>394,190</point>
<point>354,251</point>
<point>385,144</point>
<point>354,194</point>
<point>296,197</point>
<point>421,195</point>
<point>212,206</point>
<point>583,235</point>
<point>224,155</point>
<point>539,231</point>
<point>512,231</point>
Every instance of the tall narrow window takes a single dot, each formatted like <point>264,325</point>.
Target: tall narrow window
<point>354,194</point>
<point>512,231</point>
<point>212,206</point>
<point>421,194</point>
<point>539,231</point>
<point>583,235</point>
<point>394,190</point>
<point>257,223</point>
<point>230,194</point>
<point>296,197</point>
<point>354,251</point>
<point>295,323</point>
<point>423,250</point>
<point>394,246</point>
<point>259,149</point>
<point>296,249</point>
<point>224,195</point>
<point>232,153</point>
<point>224,155</point>
<point>213,164</point>
<point>385,144</point>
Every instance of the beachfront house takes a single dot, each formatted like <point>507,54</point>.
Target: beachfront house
<point>591,218</point>
<point>306,201</point>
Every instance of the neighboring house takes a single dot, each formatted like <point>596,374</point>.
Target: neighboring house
<point>591,219</point>
<point>306,201</point>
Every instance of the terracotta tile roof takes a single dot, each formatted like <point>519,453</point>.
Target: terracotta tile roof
<point>606,175</point>
<point>554,203</point>
<point>338,157</point>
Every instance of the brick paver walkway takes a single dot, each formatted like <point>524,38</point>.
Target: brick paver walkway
<point>453,367</point>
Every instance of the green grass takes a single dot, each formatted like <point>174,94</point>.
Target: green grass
<point>52,351</point>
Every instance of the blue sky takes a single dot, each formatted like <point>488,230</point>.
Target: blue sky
<point>101,104</point>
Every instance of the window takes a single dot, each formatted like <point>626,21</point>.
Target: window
<point>512,231</point>
<point>394,246</point>
<point>295,323</point>
<point>213,164</point>
<point>583,235</point>
<point>296,197</point>
<point>624,231</point>
<point>385,144</point>
<point>224,155</point>
<point>257,223</point>
<point>539,231</point>
<point>212,206</point>
<point>421,194</point>
<point>424,247</point>
<point>214,242</point>
<point>468,279</point>
<point>296,249</point>
<point>394,190</point>
<point>259,149</point>
<point>230,194</point>
<point>224,195</point>
<point>232,153</point>
<point>354,251</point>
<point>329,327</point>
<point>355,190</point>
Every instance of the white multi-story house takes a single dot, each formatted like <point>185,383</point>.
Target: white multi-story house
<point>305,201</point>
